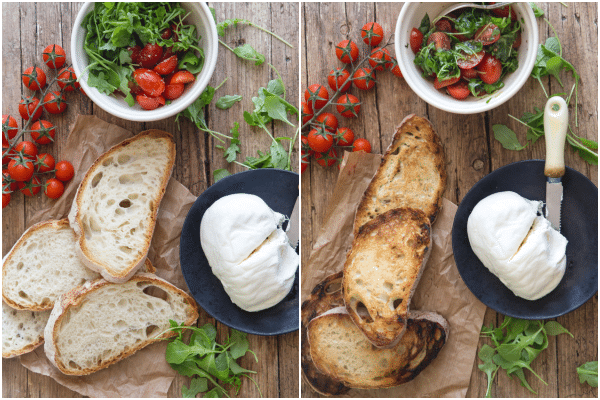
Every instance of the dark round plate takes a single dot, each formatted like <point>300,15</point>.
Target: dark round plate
<point>579,224</point>
<point>279,189</point>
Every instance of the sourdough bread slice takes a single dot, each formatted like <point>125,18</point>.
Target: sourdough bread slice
<point>382,270</point>
<point>22,331</point>
<point>340,350</point>
<point>42,265</point>
<point>115,208</point>
<point>325,296</point>
<point>412,174</point>
<point>100,323</point>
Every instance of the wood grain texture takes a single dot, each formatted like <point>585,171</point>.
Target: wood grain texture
<point>29,27</point>
<point>471,153</point>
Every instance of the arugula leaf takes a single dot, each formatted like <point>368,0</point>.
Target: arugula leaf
<point>210,361</point>
<point>486,354</point>
<point>248,52</point>
<point>538,12</point>
<point>553,328</point>
<point>197,385</point>
<point>425,24</point>
<point>507,137</point>
<point>227,101</point>
<point>588,373</point>
<point>191,62</point>
<point>219,174</point>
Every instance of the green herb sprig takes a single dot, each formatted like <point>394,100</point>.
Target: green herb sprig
<point>517,342</point>
<point>588,373</point>
<point>208,362</point>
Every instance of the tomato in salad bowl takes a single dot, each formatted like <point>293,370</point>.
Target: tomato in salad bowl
<point>470,61</point>
<point>144,61</point>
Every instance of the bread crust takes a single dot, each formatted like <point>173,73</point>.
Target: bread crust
<point>50,224</point>
<point>84,254</point>
<point>382,271</point>
<point>76,296</point>
<point>24,350</point>
<point>325,296</point>
<point>412,174</point>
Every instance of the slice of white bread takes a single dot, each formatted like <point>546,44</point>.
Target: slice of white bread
<point>412,174</point>
<point>42,265</point>
<point>22,331</point>
<point>339,349</point>
<point>100,323</point>
<point>382,270</point>
<point>325,296</point>
<point>114,210</point>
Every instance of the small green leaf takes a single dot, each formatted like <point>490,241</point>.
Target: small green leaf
<point>227,101</point>
<point>197,385</point>
<point>553,328</point>
<point>538,12</point>
<point>588,373</point>
<point>507,137</point>
<point>219,174</point>
<point>247,52</point>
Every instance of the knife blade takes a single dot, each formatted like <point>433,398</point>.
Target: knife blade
<point>293,229</point>
<point>556,120</point>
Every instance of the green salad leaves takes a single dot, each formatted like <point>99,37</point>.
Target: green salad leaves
<point>588,373</point>
<point>111,28</point>
<point>208,362</point>
<point>517,342</point>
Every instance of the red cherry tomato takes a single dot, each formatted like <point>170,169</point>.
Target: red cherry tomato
<point>34,79</point>
<point>64,171</point>
<point>27,108</point>
<point>54,56</point>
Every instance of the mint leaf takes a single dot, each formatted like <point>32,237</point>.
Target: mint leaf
<point>507,137</point>
<point>227,101</point>
<point>588,373</point>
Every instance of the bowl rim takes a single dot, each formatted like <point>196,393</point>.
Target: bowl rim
<point>472,107</point>
<point>202,79</point>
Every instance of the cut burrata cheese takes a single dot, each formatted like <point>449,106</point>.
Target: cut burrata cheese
<point>248,251</point>
<point>517,244</point>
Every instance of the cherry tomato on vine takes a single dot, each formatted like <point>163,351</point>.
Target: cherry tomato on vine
<point>344,136</point>
<point>380,58</point>
<point>9,129</point>
<point>20,169</point>
<point>346,51</point>
<point>348,106</point>
<point>328,159</point>
<point>44,163</point>
<point>42,132</point>
<point>372,33</point>
<point>55,103</point>
<point>34,78</point>
<point>54,56</point>
<point>327,121</point>
<point>338,79</point>
<point>364,78</point>
<point>27,149</point>
<point>307,112</point>
<point>316,96</point>
<point>53,188</point>
<point>30,188</point>
<point>320,140</point>
<point>27,107</point>
<point>361,144</point>
<point>67,80</point>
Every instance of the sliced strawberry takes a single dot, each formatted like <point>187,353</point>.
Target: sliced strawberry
<point>459,90</point>
<point>416,40</point>
<point>135,54</point>
<point>443,25</point>
<point>504,12</point>
<point>150,82</point>
<point>182,77</point>
<point>166,66</point>
<point>470,60</point>
<point>441,84</point>
<point>150,55</point>
<point>173,91</point>
<point>468,74</point>
<point>150,103</point>
<point>517,42</point>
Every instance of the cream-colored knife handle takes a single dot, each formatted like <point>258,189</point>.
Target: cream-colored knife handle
<point>556,121</point>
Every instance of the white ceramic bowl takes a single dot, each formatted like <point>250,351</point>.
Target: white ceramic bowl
<point>201,17</point>
<point>410,17</point>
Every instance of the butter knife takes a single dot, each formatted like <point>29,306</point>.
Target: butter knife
<point>556,121</point>
<point>293,229</point>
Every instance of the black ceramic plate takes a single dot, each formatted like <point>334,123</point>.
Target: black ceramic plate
<point>279,189</point>
<point>579,224</point>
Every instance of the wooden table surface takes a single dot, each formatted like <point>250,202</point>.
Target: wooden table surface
<point>27,28</point>
<point>471,153</point>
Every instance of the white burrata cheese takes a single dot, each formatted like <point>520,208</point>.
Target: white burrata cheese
<point>248,251</point>
<point>517,245</point>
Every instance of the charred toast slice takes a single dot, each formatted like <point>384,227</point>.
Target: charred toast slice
<point>412,174</point>
<point>325,296</point>
<point>340,350</point>
<point>382,270</point>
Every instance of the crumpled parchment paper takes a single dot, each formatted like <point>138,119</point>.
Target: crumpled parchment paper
<point>440,289</point>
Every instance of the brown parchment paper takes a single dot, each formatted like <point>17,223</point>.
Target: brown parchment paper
<point>146,373</point>
<point>440,289</point>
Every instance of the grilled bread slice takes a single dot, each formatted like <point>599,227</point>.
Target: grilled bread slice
<point>42,265</point>
<point>115,208</point>
<point>22,331</point>
<point>325,296</point>
<point>412,174</point>
<point>382,270</point>
<point>100,323</point>
<point>340,350</point>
